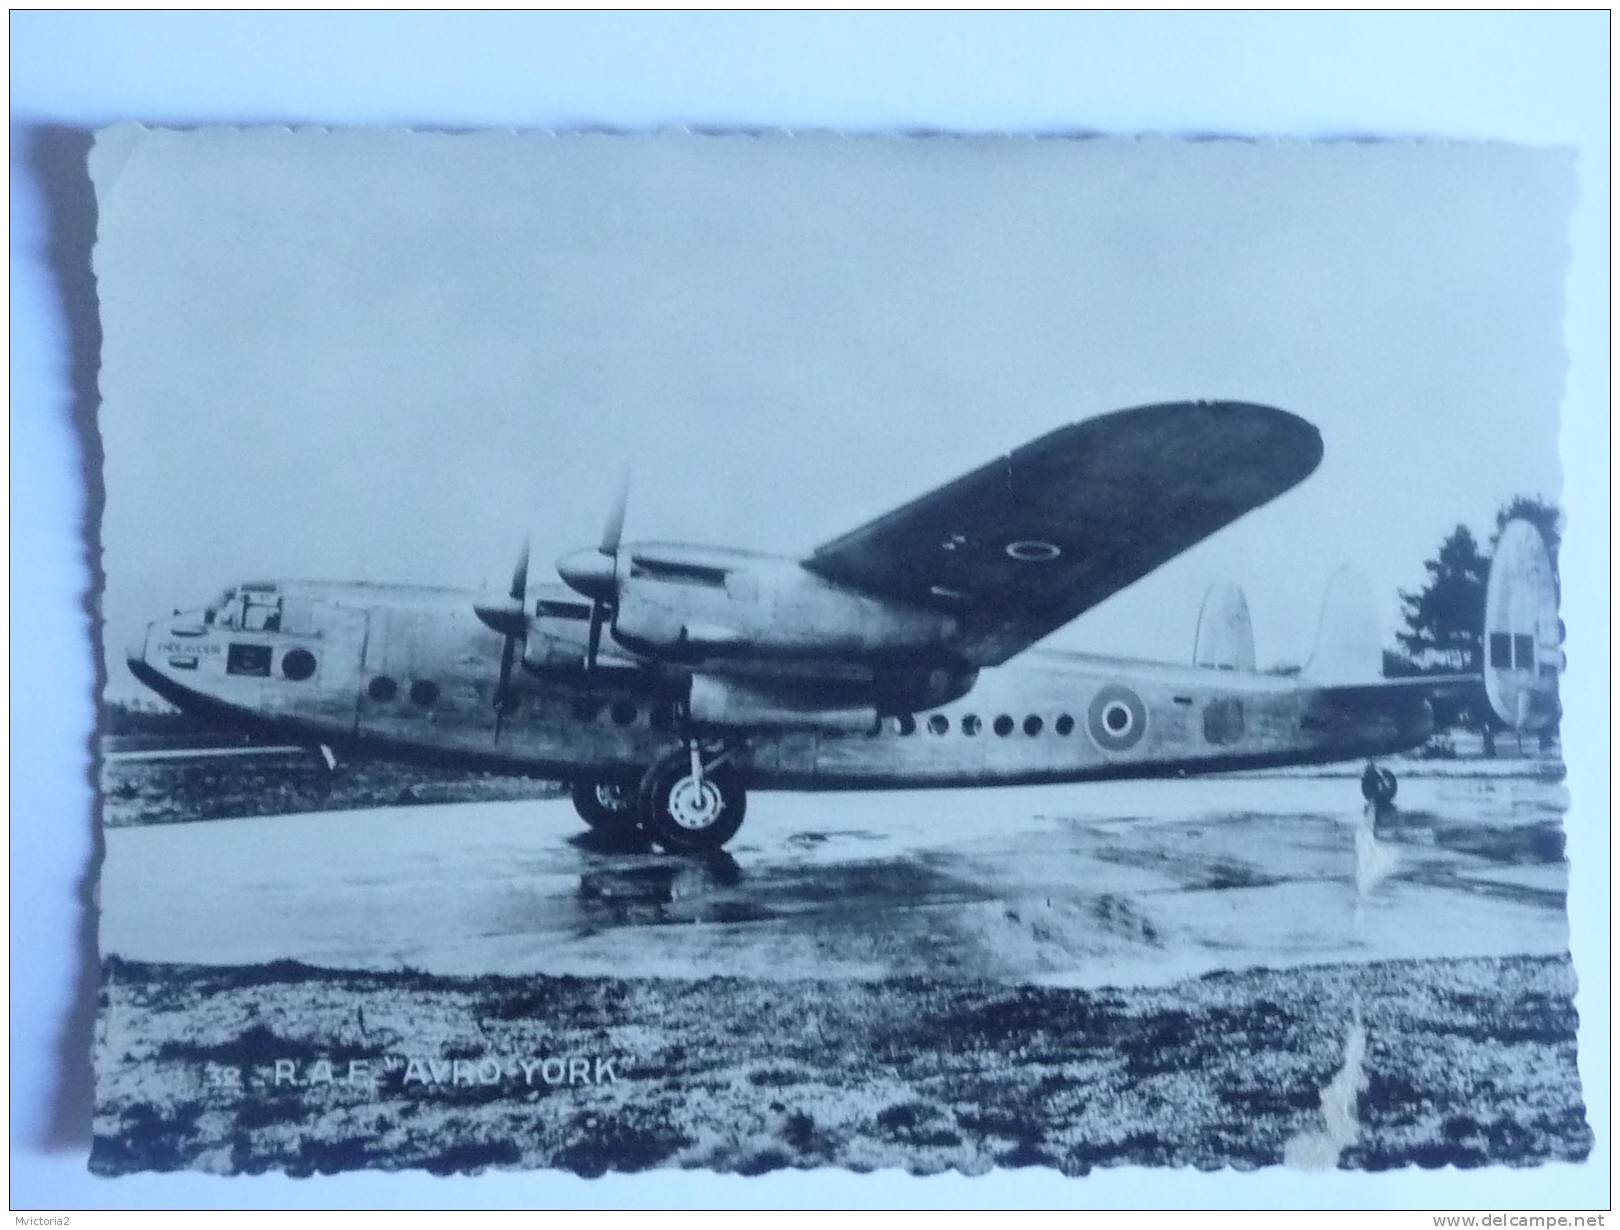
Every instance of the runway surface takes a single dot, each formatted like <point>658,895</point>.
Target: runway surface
<point>1127,884</point>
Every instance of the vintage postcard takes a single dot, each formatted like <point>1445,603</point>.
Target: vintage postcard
<point>753,651</point>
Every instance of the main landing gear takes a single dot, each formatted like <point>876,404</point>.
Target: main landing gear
<point>608,807</point>
<point>692,801</point>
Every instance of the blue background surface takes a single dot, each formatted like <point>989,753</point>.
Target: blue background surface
<point>1540,78</point>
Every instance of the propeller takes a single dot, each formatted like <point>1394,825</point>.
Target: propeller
<point>596,573</point>
<point>512,633</point>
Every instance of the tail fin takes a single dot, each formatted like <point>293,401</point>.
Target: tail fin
<point>1225,639</point>
<point>1347,649</point>
<point>1522,630</point>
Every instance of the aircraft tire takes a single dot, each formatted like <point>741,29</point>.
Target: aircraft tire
<point>595,802</point>
<point>1378,786</point>
<point>680,819</point>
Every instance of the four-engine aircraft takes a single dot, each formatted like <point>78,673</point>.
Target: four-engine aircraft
<point>665,680</point>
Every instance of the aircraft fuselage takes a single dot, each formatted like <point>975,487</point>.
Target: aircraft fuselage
<point>411,673</point>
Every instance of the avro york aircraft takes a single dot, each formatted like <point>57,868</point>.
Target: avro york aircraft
<point>665,680</point>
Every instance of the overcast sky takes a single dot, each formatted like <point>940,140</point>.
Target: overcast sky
<point>380,355</point>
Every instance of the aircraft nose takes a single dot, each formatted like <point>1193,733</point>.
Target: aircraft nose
<point>589,572</point>
<point>135,651</point>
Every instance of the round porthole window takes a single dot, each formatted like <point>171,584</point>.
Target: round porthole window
<point>971,724</point>
<point>424,692</point>
<point>906,724</point>
<point>298,665</point>
<point>382,689</point>
<point>939,723</point>
<point>1032,725</point>
<point>624,713</point>
<point>1004,725</point>
<point>1064,725</point>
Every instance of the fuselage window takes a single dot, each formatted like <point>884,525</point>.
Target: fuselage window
<point>1064,725</point>
<point>298,665</point>
<point>247,660</point>
<point>424,692</point>
<point>382,689</point>
<point>1032,725</point>
<point>970,724</point>
<point>939,723</point>
<point>1004,725</point>
<point>624,713</point>
<point>906,724</point>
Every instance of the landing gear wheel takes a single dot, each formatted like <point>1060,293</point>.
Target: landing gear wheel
<point>608,807</point>
<point>685,815</point>
<point>1378,786</point>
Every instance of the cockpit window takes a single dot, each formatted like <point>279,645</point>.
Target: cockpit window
<point>261,613</point>
<point>222,610</point>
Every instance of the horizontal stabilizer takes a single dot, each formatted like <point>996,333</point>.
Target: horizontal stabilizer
<point>1347,649</point>
<point>1523,656</point>
<point>1225,639</point>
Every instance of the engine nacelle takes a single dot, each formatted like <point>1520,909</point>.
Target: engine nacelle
<point>785,704</point>
<point>688,606</point>
<point>553,646</point>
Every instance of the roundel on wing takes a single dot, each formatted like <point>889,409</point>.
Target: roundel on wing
<point>1117,719</point>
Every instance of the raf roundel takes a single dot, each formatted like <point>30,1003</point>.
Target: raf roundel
<point>1033,551</point>
<point>1117,719</point>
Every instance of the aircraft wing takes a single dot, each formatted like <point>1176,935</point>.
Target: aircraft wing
<point>1024,544</point>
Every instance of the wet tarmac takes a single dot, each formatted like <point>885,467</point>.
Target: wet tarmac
<point>1125,884</point>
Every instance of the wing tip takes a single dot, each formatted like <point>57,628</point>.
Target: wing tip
<point>1282,431</point>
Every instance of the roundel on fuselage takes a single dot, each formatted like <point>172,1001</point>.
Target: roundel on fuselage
<point>1117,719</point>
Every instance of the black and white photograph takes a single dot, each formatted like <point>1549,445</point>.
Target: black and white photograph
<point>744,652</point>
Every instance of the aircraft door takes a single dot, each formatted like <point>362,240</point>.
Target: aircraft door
<point>387,671</point>
<point>342,631</point>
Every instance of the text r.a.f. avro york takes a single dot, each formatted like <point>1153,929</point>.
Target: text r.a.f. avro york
<point>425,1072</point>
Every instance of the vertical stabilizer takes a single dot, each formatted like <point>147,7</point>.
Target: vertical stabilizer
<point>1347,649</point>
<point>1522,633</point>
<point>1225,639</point>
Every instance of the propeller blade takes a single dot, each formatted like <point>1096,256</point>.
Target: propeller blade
<point>508,652</point>
<point>614,529</point>
<point>598,618</point>
<point>513,623</point>
<point>520,574</point>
